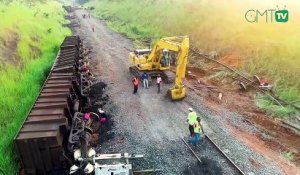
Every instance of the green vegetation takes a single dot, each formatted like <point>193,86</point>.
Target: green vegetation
<point>272,108</point>
<point>270,50</point>
<point>288,155</point>
<point>30,35</point>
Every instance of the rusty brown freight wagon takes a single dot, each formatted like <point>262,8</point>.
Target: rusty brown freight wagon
<point>40,140</point>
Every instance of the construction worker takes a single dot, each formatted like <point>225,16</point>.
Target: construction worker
<point>165,60</point>
<point>145,78</point>
<point>191,119</point>
<point>158,82</point>
<point>103,116</point>
<point>135,82</point>
<point>198,129</point>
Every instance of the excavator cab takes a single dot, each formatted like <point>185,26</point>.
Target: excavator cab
<point>165,59</point>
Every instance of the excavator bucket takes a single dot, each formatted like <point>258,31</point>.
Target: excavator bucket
<point>176,93</point>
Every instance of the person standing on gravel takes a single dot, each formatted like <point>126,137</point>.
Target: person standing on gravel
<point>135,82</point>
<point>198,129</point>
<point>158,82</point>
<point>191,119</point>
<point>145,78</point>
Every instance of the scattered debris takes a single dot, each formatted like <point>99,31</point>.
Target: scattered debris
<point>220,96</point>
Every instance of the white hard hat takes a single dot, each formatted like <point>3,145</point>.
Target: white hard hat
<point>190,109</point>
<point>100,111</point>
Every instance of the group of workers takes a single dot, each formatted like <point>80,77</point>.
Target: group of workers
<point>145,79</point>
<point>195,127</point>
<point>84,15</point>
<point>194,122</point>
<point>89,16</point>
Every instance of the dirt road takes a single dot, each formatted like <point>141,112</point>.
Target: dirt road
<point>150,124</point>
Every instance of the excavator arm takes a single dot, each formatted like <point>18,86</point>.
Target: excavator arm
<point>177,92</point>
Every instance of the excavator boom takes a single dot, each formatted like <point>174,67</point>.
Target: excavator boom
<point>177,92</point>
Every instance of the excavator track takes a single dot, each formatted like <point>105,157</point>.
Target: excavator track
<point>167,76</point>
<point>134,71</point>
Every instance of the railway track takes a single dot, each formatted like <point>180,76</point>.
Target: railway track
<point>216,153</point>
<point>211,159</point>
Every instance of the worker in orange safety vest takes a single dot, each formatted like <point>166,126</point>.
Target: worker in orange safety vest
<point>135,82</point>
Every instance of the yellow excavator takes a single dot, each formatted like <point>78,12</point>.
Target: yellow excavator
<point>156,61</point>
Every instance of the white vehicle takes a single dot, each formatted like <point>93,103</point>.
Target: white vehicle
<point>105,164</point>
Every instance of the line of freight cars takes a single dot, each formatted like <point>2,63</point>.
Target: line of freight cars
<point>50,133</point>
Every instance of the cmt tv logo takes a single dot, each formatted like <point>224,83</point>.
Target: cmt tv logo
<point>268,15</point>
<point>282,15</point>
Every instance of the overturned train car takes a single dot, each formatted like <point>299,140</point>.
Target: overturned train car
<point>43,142</point>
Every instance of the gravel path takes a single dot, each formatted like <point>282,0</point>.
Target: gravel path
<point>150,124</point>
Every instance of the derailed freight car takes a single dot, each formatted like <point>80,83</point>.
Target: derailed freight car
<point>41,141</point>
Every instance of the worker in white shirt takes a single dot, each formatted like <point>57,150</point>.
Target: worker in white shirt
<point>158,82</point>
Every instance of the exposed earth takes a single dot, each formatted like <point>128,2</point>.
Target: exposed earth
<point>148,123</point>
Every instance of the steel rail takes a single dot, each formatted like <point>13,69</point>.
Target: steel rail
<point>224,154</point>
<point>219,149</point>
<point>187,145</point>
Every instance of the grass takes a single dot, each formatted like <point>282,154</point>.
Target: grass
<point>38,25</point>
<point>271,108</point>
<point>288,155</point>
<point>270,50</point>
